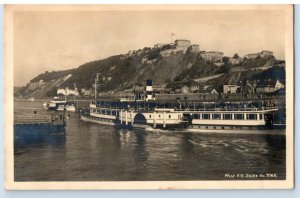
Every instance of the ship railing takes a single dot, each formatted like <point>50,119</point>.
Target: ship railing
<point>192,109</point>
<point>183,107</point>
<point>226,109</point>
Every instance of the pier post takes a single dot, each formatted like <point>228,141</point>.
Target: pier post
<point>131,117</point>
<point>164,120</point>
<point>121,116</point>
<point>154,120</point>
<point>126,118</point>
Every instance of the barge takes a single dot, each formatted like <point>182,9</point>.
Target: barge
<point>36,129</point>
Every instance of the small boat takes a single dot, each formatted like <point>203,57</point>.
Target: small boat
<point>31,99</point>
<point>61,108</point>
<point>54,103</point>
<point>70,107</point>
<point>99,115</point>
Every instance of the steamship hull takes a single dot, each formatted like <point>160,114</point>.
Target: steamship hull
<point>97,120</point>
<point>247,121</point>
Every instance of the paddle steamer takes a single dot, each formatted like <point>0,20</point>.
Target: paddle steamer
<point>130,115</point>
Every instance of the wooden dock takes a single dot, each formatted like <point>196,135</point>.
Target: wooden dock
<point>38,120</point>
<point>32,120</point>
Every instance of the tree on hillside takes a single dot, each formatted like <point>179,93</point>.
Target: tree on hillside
<point>154,54</point>
<point>225,60</point>
<point>224,69</point>
<point>146,48</point>
<point>236,56</point>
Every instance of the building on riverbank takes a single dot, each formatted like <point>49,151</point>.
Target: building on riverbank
<point>230,89</point>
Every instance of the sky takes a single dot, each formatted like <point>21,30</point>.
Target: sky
<point>59,40</point>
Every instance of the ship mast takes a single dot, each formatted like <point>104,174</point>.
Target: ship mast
<point>96,81</point>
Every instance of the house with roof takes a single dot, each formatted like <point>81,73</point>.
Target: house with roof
<point>230,89</point>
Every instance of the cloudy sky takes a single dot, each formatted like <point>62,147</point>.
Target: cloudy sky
<point>58,40</point>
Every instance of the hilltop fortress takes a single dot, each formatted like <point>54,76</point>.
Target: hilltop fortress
<point>185,45</point>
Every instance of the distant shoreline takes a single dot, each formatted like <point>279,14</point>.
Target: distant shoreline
<point>170,99</point>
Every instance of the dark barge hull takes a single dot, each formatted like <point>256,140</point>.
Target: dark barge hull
<point>25,134</point>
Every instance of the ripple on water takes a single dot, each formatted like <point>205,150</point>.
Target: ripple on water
<point>94,152</point>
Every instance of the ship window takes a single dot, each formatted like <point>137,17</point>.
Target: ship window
<point>113,113</point>
<point>149,116</point>
<point>196,116</point>
<point>205,116</point>
<point>251,116</point>
<point>170,116</point>
<point>216,116</point>
<point>227,116</point>
<point>102,112</point>
<point>239,116</point>
<point>260,116</point>
<point>159,116</point>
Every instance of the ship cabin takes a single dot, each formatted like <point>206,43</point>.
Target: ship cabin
<point>105,113</point>
<point>233,119</point>
<point>158,117</point>
<point>55,102</point>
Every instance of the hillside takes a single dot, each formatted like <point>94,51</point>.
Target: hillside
<point>272,74</point>
<point>125,71</point>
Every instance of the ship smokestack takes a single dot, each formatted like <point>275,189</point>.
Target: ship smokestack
<point>149,90</point>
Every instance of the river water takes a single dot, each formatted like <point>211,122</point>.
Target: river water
<point>92,152</point>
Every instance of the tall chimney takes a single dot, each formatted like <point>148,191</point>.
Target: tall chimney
<point>149,90</point>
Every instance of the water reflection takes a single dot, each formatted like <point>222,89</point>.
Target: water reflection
<point>91,152</point>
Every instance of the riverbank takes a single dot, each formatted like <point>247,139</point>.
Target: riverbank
<point>192,97</point>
